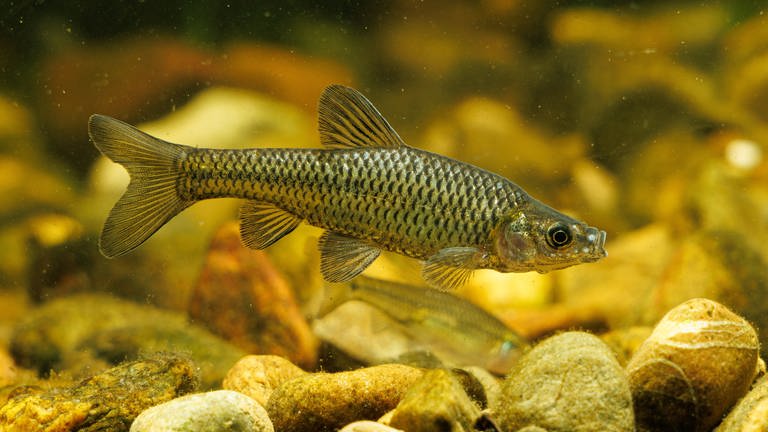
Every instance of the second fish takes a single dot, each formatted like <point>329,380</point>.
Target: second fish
<point>367,189</point>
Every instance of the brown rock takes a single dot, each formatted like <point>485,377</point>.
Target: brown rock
<point>257,376</point>
<point>699,360</point>
<point>326,402</point>
<point>242,297</point>
<point>108,401</point>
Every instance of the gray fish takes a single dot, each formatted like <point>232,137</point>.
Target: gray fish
<point>367,189</point>
<point>453,328</point>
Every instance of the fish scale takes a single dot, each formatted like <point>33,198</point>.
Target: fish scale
<point>368,174</point>
<point>366,188</point>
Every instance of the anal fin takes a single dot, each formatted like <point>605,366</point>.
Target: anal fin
<point>451,267</point>
<point>342,257</point>
<point>262,224</point>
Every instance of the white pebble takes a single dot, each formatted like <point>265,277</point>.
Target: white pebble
<point>205,412</point>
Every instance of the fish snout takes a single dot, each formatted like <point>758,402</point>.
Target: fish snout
<point>596,241</point>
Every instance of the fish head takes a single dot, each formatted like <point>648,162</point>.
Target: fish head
<point>539,238</point>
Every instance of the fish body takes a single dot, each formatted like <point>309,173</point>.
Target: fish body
<point>367,189</point>
<point>362,193</point>
<point>451,327</point>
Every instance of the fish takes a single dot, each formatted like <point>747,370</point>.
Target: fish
<point>454,329</point>
<point>366,188</point>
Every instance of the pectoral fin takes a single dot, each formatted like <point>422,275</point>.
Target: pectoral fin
<point>262,224</point>
<point>451,267</point>
<point>342,257</point>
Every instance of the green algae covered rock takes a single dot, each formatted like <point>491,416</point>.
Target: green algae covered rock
<point>107,401</point>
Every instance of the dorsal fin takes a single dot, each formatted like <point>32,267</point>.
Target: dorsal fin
<point>348,120</point>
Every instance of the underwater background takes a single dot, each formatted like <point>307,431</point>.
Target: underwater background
<point>646,119</point>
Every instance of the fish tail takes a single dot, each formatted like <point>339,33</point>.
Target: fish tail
<point>151,198</point>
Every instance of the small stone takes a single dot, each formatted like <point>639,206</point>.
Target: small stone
<point>436,401</point>
<point>699,360</point>
<point>205,412</point>
<point>368,426</point>
<point>328,401</point>
<point>256,376</point>
<point>751,413</point>
<point>569,382</point>
<point>107,401</point>
<point>245,312</point>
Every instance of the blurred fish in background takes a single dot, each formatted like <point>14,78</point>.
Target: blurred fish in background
<point>455,330</point>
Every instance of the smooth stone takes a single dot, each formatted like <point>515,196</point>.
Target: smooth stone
<point>568,382</point>
<point>699,360</point>
<point>205,412</point>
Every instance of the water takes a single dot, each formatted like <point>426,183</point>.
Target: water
<point>648,120</point>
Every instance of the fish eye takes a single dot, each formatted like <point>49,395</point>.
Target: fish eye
<point>559,236</point>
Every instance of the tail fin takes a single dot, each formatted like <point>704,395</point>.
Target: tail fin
<point>151,198</point>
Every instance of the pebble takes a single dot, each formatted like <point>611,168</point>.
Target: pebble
<point>256,376</point>
<point>699,360</point>
<point>107,401</point>
<point>205,412</point>
<point>436,401</point>
<point>328,401</point>
<point>569,382</point>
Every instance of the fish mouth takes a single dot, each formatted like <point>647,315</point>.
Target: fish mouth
<point>596,239</point>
